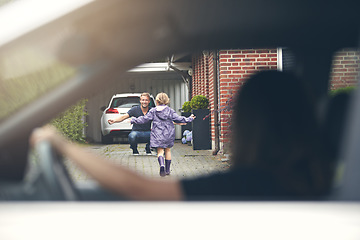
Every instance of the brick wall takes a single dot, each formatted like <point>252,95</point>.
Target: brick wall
<point>345,69</point>
<point>201,75</point>
<point>235,66</point>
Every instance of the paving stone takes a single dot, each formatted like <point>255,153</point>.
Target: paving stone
<point>185,161</point>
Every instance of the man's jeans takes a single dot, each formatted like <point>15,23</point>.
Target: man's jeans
<point>136,137</point>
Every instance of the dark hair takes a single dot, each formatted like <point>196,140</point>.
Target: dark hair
<point>274,128</point>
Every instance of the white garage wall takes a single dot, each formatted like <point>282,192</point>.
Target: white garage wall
<point>170,83</point>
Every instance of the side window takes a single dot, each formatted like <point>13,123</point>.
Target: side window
<point>288,60</point>
<point>345,69</point>
<point>152,103</point>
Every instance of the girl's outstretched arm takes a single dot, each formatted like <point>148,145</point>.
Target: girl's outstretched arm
<point>182,119</point>
<point>114,177</point>
<point>143,119</point>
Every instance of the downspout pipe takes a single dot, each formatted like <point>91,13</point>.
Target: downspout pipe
<point>216,103</point>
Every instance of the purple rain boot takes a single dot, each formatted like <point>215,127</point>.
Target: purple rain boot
<point>162,165</point>
<point>167,166</point>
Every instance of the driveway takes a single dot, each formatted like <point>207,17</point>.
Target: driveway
<point>186,162</point>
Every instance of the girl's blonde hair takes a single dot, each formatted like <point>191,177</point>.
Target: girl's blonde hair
<point>162,99</point>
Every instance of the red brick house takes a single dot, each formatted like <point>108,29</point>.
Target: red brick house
<point>219,74</point>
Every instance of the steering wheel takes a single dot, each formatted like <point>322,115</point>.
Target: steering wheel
<point>54,171</point>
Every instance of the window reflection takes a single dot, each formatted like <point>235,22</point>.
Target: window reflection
<point>25,74</point>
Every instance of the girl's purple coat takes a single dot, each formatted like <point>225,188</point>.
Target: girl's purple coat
<point>163,129</point>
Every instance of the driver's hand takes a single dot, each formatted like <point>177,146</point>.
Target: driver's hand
<point>193,116</point>
<point>111,121</point>
<point>46,133</point>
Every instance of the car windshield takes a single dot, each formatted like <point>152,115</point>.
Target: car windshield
<point>82,56</point>
<point>27,71</point>
<point>25,75</point>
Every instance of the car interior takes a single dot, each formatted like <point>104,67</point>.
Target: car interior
<point>77,48</point>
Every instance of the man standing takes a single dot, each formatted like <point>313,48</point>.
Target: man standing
<point>140,133</point>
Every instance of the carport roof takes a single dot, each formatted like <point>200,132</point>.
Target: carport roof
<point>162,67</point>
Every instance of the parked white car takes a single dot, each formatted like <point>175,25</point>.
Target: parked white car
<point>119,105</point>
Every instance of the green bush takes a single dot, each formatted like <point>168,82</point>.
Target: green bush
<point>342,90</point>
<point>71,122</point>
<point>199,102</point>
<point>186,107</point>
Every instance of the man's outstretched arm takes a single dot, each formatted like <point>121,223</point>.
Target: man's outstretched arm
<point>119,119</point>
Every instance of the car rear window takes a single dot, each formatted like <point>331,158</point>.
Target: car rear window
<point>125,102</point>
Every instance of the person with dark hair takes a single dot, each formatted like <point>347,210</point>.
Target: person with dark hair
<point>277,152</point>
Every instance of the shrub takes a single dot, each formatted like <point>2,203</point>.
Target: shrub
<point>342,90</point>
<point>71,122</point>
<point>199,102</point>
<point>186,107</point>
